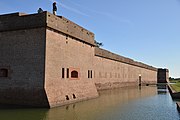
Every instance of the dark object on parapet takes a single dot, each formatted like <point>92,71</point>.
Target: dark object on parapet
<point>98,44</point>
<point>54,8</point>
<point>40,10</point>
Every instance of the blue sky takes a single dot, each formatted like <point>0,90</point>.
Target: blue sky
<point>144,30</point>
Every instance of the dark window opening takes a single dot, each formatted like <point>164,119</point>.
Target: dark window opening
<point>74,74</point>
<point>74,96</point>
<point>3,72</point>
<point>91,73</point>
<point>67,72</point>
<point>62,72</point>
<point>88,73</point>
<point>67,97</point>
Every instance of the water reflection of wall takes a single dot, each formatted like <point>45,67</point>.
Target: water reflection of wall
<point>162,89</point>
<point>108,101</point>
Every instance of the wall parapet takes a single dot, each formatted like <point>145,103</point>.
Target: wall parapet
<point>19,21</point>
<point>69,28</point>
<point>112,56</point>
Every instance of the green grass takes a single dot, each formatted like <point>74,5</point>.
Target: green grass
<point>176,85</point>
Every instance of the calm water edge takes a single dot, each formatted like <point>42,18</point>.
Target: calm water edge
<point>133,103</point>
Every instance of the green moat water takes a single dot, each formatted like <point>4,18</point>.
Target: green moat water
<point>134,103</point>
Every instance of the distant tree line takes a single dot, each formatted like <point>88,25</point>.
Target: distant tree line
<point>171,78</point>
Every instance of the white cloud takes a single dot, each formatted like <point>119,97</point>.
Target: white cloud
<point>74,10</point>
<point>106,14</point>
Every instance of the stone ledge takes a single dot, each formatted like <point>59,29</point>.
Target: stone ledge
<point>173,93</point>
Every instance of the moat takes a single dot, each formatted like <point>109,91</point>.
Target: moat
<point>133,103</point>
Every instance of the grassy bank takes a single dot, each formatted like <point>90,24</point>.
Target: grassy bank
<point>175,85</point>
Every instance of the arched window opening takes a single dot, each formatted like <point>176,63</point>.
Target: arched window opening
<point>74,74</point>
<point>3,72</point>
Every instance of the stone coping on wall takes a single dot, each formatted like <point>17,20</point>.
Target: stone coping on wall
<point>68,27</point>
<point>19,21</point>
<point>162,69</point>
<point>112,56</point>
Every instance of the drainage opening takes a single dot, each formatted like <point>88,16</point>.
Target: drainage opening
<point>74,96</point>
<point>67,97</point>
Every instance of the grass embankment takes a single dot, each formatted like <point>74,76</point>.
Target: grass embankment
<point>175,85</point>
